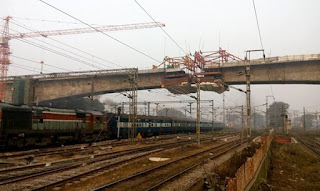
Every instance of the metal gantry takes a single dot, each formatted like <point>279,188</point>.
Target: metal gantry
<point>248,90</point>
<point>132,122</point>
<point>198,111</point>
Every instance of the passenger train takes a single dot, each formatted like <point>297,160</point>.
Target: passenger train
<point>22,126</point>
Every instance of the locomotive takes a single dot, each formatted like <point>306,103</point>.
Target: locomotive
<point>22,126</point>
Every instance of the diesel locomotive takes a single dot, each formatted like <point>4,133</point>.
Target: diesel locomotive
<point>22,126</point>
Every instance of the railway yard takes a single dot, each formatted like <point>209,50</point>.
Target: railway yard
<point>147,98</point>
<point>111,164</point>
<point>167,162</point>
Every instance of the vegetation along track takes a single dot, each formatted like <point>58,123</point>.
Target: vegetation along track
<point>312,145</point>
<point>155,177</point>
<point>75,170</point>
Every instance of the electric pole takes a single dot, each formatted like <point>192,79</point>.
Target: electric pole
<point>248,94</point>
<point>157,108</point>
<point>198,112</point>
<point>248,91</point>
<point>304,119</point>
<point>212,108</point>
<point>223,110</point>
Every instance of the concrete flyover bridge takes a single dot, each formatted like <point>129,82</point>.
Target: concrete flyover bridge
<point>298,69</point>
<point>36,88</point>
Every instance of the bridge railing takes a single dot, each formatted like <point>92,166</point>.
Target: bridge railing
<point>288,58</point>
<point>74,74</point>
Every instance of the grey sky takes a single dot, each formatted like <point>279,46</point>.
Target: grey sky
<point>288,27</point>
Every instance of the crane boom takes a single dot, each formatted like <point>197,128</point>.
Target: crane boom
<point>86,30</point>
<point>6,37</point>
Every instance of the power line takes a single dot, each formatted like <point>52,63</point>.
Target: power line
<point>59,53</point>
<point>255,11</point>
<point>100,31</point>
<point>159,26</point>
<point>24,67</point>
<point>39,63</point>
<point>258,26</point>
<point>25,27</point>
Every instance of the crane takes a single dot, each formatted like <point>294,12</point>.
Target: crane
<point>6,37</point>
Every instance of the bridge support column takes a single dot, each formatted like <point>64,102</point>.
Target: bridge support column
<point>24,92</point>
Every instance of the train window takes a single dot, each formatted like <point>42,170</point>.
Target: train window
<point>40,120</point>
<point>81,115</point>
<point>98,119</point>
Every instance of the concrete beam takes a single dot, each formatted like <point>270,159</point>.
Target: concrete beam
<point>295,72</point>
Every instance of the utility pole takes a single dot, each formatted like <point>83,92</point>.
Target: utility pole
<point>198,112</point>
<point>91,96</point>
<point>157,108</point>
<point>223,110</point>
<point>145,108</point>
<point>119,124</point>
<point>317,119</point>
<point>133,103</point>
<point>122,107</point>
<point>304,119</point>
<point>248,94</point>
<point>242,123</point>
<point>190,104</point>
<point>254,118</point>
<point>248,90</point>
<point>212,108</point>
<point>266,112</point>
<point>283,118</point>
<point>148,108</point>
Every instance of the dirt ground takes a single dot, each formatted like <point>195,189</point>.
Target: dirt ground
<point>294,167</point>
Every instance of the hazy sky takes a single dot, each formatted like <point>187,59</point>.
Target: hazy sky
<point>287,26</point>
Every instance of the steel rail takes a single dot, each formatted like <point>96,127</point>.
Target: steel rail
<point>158,167</point>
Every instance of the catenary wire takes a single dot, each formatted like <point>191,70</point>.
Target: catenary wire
<point>39,62</point>
<point>110,62</point>
<point>160,26</point>
<point>117,40</point>
<point>57,52</point>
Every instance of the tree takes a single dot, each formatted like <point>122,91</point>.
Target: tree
<point>308,119</point>
<point>258,120</point>
<point>75,103</point>
<point>171,112</point>
<point>276,113</point>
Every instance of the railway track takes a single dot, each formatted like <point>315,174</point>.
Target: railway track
<point>70,171</point>
<point>149,179</point>
<point>312,145</point>
<point>77,149</point>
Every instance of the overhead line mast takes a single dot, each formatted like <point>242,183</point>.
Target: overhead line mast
<point>6,37</point>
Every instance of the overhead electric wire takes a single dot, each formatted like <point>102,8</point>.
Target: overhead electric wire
<point>110,62</point>
<point>24,67</point>
<point>119,41</point>
<point>258,26</point>
<point>59,53</point>
<point>39,63</point>
<point>255,11</point>
<point>160,26</point>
